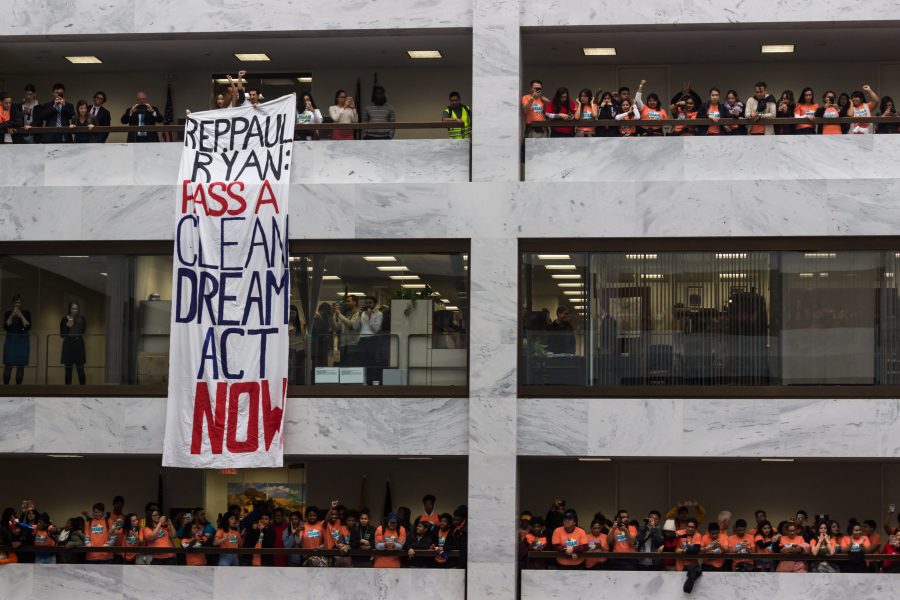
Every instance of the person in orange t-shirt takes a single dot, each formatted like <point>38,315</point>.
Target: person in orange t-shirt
<point>43,537</point>
<point>689,540</point>
<point>228,536</point>
<point>714,542</point>
<point>96,533</point>
<point>314,536</point>
<point>534,105</point>
<point>570,540</point>
<point>856,545</point>
<point>622,537</point>
<point>741,542</point>
<point>132,535</point>
<point>534,540</point>
<point>194,559</point>
<point>390,536</point>
<point>791,542</point>
<point>158,534</point>
<point>597,542</point>
<point>806,107</point>
<point>430,514</point>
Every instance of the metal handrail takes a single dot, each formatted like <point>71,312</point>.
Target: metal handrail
<point>714,556</point>
<point>723,121</point>
<point>219,550</point>
<point>180,128</point>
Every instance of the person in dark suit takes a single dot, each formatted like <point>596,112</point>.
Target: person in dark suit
<point>139,115</point>
<point>23,113</point>
<point>56,113</point>
<point>101,116</point>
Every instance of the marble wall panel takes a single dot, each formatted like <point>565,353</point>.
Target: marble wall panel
<point>114,582</point>
<point>602,585</point>
<point>17,432</point>
<point>80,425</point>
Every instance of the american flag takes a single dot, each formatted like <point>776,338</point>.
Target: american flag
<point>168,115</point>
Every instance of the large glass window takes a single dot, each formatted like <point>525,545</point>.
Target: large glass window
<point>380,318</point>
<point>85,319</point>
<point>710,318</point>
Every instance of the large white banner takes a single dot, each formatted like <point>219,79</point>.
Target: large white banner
<point>231,289</point>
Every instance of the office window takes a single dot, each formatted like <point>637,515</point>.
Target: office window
<point>379,318</point>
<point>716,317</point>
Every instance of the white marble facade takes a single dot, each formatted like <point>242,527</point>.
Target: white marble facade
<point>116,582</point>
<point>622,585</point>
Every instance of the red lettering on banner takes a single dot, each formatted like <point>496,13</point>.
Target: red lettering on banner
<point>250,388</point>
<point>219,425</point>
<point>213,200</point>
<point>215,425</point>
<point>270,199</point>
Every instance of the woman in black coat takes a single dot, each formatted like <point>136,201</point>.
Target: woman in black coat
<point>17,346</point>
<point>71,330</point>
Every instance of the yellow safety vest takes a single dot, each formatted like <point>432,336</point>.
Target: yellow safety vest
<point>464,132</point>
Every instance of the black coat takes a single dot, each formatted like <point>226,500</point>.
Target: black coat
<point>15,121</point>
<point>103,119</point>
<point>17,115</point>
<point>251,537</point>
<point>73,352</point>
<point>46,116</point>
<point>150,117</point>
<point>17,345</point>
<point>424,542</point>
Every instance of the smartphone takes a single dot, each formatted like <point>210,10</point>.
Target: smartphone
<point>892,508</point>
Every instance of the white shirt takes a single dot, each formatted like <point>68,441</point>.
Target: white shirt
<point>370,325</point>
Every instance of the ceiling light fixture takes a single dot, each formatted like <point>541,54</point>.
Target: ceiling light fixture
<point>784,460</point>
<point>413,286</point>
<point>393,268</point>
<point>732,255</point>
<point>566,276</point>
<point>777,48</point>
<point>65,456</point>
<point>732,275</point>
<point>252,57</point>
<point>554,257</point>
<point>352,294</point>
<point>330,278</point>
<point>640,257</point>
<point>573,292</point>
<point>570,285</point>
<point>380,258</point>
<point>304,79</point>
<point>451,307</point>
<point>84,60</point>
<point>404,277</point>
<point>599,51</point>
<point>594,459</point>
<point>652,276</point>
<point>819,254</point>
<point>561,267</point>
<point>424,53</point>
<point>225,81</point>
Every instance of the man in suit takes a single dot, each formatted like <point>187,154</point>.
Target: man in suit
<point>140,115</point>
<point>56,113</point>
<point>101,116</point>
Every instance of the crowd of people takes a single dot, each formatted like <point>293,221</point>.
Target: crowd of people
<point>678,535</point>
<point>441,537</point>
<point>567,116</point>
<point>20,121</point>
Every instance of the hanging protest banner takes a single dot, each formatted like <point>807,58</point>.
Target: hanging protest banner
<point>228,352</point>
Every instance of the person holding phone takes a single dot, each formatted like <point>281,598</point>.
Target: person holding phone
<point>343,111</point>
<point>159,533</point>
<point>533,106</point>
<point>71,329</point>
<point>888,110</point>
<point>17,345</point>
<point>55,113</point>
<point>307,114</point>
<point>142,114</point>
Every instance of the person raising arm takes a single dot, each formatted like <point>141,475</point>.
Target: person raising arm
<point>859,107</point>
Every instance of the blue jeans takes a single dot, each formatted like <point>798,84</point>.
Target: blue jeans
<point>45,560</point>
<point>228,560</point>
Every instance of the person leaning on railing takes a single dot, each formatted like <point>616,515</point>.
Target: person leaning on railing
<point>343,111</point>
<point>457,112</point>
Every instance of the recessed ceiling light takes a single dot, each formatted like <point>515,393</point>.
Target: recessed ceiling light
<point>393,268</point>
<point>414,457</point>
<point>593,459</point>
<point>404,277</point>
<point>554,257</point>
<point>730,255</point>
<point>573,292</point>
<point>561,267</point>
<point>819,254</point>
<point>777,459</point>
<point>777,48</point>
<point>451,307</point>
<point>380,258</point>
<point>225,82</point>
<point>578,306</point>
<point>651,276</point>
<point>304,79</point>
<point>640,257</point>
<point>352,294</point>
<point>599,51</point>
<point>566,276</point>
<point>251,57</point>
<point>805,275</point>
<point>330,277</point>
<point>413,286</point>
<point>84,60</point>
<point>424,53</point>
<point>570,285</point>
<point>65,456</point>
<point>732,275</point>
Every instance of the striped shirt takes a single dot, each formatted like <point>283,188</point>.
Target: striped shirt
<point>379,114</point>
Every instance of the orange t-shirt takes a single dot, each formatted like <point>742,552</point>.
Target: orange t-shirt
<point>433,518</point>
<point>792,566</point>
<point>231,539</point>
<point>723,541</point>
<point>532,540</point>
<point>832,112</point>
<point>600,541</point>
<point>536,110</point>
<point>42,538</point>
<point>848,544</point>
<point>622,544</point>
<point>746,544</point>
<point>686,129</point>
<point>97,533</point>
<point>564,539</point>
<point>385,534</point>
<point>588,112</point>
<point>653,114</point>
<point>805,110</point>
<point>862,110</point>
<point>132,538</point>
<point>715,111</point>
<point>875,541</point>
<point>193,559</point>
<point>684,542</point>
<point>314,536</point>
<point>158,540</point>
<point>337,532</point>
